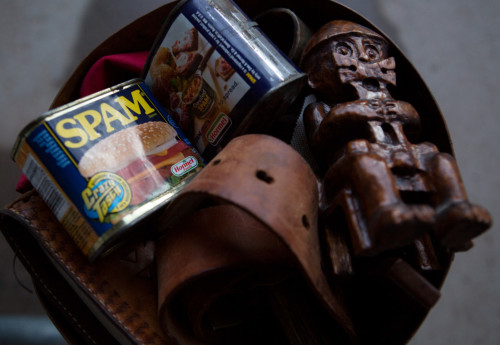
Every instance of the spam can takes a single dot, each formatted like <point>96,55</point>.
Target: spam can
<point>106,162</point>
<point>218,74</point>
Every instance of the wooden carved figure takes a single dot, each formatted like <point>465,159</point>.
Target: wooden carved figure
<point>391,188</point>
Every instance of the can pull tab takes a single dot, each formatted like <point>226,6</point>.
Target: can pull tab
<point>248,24</point>
<point>249,30</point>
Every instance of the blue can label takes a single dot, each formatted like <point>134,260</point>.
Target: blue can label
<point>110,156</point>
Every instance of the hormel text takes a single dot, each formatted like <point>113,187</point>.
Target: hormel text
<point>184,166</point>
<point>222,123</point>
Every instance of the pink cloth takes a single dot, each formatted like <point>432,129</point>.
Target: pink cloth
<point>111,70</point>
<point>106,72</point>
<point>23,185</point>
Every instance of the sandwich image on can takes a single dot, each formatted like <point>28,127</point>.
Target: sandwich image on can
<point>143,155</point>
<point>105,163</point>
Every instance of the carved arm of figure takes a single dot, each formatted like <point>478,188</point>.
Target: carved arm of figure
<point>389,122</point>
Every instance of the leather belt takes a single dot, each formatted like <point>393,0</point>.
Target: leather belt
<point>255,203</point>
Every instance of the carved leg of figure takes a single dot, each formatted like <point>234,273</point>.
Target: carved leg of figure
<point>388,221</point>
<point>458,220</point>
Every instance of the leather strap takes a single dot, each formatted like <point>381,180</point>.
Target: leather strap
<point>214,253</point>
<point>118,292</point>
<point>269,181</point>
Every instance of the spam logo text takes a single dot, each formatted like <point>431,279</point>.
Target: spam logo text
<point>104,118</point>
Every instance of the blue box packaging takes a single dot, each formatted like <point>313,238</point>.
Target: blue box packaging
<point>218,74</point>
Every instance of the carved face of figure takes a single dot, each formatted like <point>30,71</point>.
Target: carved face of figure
<point>343,57</point>
<point>363,48</point>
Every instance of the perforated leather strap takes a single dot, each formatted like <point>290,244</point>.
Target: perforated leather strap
<point>262,185</point>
